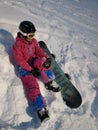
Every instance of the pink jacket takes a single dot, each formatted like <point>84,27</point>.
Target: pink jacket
<point>24,51</point>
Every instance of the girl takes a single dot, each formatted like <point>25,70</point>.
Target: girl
<point>32,61</point>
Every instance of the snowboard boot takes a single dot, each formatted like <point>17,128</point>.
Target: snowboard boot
<point>43,114</point>
<point>51,87</point>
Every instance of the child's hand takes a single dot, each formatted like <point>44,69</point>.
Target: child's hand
<point>35,72</point>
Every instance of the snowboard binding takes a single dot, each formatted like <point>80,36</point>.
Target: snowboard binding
<point>49,86</point>
<point>68,76</point>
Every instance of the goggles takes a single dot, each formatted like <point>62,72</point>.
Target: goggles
<point>30,35</point>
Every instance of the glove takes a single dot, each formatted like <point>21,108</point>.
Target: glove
<point>47,63</point>
<point>35,72</point>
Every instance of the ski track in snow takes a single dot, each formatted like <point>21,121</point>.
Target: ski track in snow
<point>70,30</point>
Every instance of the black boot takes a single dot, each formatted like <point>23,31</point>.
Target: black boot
<point>49,86</point>
<point>43,114</point>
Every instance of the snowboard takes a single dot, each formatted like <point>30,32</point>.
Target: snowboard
<point>69,93</point>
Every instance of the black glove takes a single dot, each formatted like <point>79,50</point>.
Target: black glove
<point>35,72</point>
<point>47,63</point>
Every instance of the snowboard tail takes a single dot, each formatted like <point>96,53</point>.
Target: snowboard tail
<point>69,93</point>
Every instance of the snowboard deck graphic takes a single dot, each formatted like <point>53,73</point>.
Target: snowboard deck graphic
<point>69,93</point>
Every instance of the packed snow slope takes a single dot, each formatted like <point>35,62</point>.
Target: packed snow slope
<point>70,29</point>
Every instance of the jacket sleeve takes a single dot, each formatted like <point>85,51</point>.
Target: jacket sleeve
<point>39,51</point>
<point>19,58</point>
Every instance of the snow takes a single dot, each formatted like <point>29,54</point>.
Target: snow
<point>70,29</point>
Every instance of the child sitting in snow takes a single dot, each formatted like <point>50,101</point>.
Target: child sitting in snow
<point>32,61</point>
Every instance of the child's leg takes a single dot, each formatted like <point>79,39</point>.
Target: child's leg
<point>32,92</point>
<point>31,86</point>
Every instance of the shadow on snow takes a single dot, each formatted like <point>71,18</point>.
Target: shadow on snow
<point>94,106</point>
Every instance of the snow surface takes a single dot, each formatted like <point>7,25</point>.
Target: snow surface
<point>70,29</point>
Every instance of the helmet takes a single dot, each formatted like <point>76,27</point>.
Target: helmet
<point>27,27</point>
